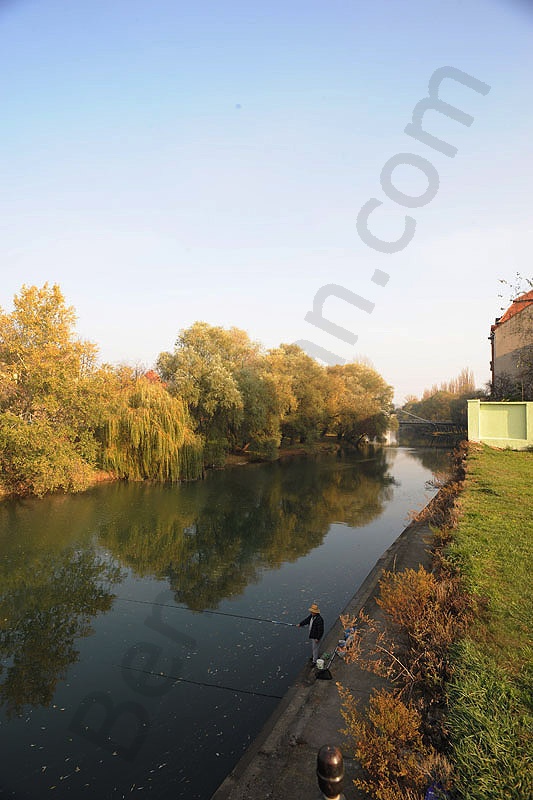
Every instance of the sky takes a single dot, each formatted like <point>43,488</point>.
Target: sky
<point>166,162</point>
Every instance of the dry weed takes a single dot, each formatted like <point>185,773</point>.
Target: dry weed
<point>390,748</point>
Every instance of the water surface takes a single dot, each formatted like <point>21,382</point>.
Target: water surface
<point>115,678</point>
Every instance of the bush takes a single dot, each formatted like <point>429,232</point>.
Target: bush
<point>433,613</point>
<point>425,615</point>
<point>36,459</point>
<point>390,748</point>
<point>264,448</point>
<point>215,453</point>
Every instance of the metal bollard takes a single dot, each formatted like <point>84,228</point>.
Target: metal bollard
<point>330,772</point>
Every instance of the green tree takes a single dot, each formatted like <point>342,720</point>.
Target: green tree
<point>232,397</point>
<point>258,431</point>
<point>359,402</point>
<point>435,406</point>
<point>36,458</point>
<point>201,372</point>
<point>301,388</point>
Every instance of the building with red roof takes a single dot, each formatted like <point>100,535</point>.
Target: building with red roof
<point>511,339</point>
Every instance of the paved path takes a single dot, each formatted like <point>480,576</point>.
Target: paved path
<point>281,762</point>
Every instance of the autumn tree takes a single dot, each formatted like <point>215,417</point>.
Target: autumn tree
<point>62,415</point>
<point>198,372</point>
<point>44,367</point>
<point>301,391</point>
<point>359,402</point>
<point>257,430</point>
<point>48,392</point>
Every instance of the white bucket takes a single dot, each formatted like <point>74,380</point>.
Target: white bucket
<point>320,663</point>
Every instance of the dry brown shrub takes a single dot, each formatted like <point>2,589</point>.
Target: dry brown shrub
<point>372,649</point>
<point>404,596</point>
<point>399,742</point>
<point>424,615</point>
<point>432,613</point>
<point>427,608</point>
<point>442,510</point>
<point>389,746</point>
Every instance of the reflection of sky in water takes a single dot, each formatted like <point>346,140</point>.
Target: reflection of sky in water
<point>188,733</point>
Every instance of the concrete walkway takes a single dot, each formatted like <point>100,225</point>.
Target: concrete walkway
<point>281,762</point>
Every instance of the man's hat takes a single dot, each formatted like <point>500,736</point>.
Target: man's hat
<point>314,609</point>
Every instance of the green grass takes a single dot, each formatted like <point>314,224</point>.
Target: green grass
<point>491,709</point>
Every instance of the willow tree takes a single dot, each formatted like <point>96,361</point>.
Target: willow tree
<point>148,435</point>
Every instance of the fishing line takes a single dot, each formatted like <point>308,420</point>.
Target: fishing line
<point>199,683</point>
<point>206,611</point>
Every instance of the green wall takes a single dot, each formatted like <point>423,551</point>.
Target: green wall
<point>502,424</point>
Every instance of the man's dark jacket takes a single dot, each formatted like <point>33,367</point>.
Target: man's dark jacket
<point>317,628</point>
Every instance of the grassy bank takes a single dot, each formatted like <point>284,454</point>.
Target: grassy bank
<point>490,697</point>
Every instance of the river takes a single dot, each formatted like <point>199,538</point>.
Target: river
<point>134,659</point>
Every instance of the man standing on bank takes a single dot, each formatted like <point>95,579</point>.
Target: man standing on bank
<point>316,629</point>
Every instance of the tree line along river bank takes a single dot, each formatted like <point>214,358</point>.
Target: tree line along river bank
<point>64,417</point>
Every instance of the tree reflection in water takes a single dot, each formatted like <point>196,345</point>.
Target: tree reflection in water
<point>47,600</point>
<point>210,544</point>
<point>301,531</point>
<point>435,459</point>
<point>208,540</point>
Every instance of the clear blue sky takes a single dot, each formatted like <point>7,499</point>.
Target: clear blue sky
<point>167,162</point>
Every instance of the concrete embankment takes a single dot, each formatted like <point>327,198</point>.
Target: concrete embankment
<point>281,762</point>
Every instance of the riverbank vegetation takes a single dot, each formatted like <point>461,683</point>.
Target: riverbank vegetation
<point>65,418</point>
<point>455,647</point>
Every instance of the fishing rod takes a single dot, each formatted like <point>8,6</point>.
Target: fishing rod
<point>206,611</point>
<point>200,683</point>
